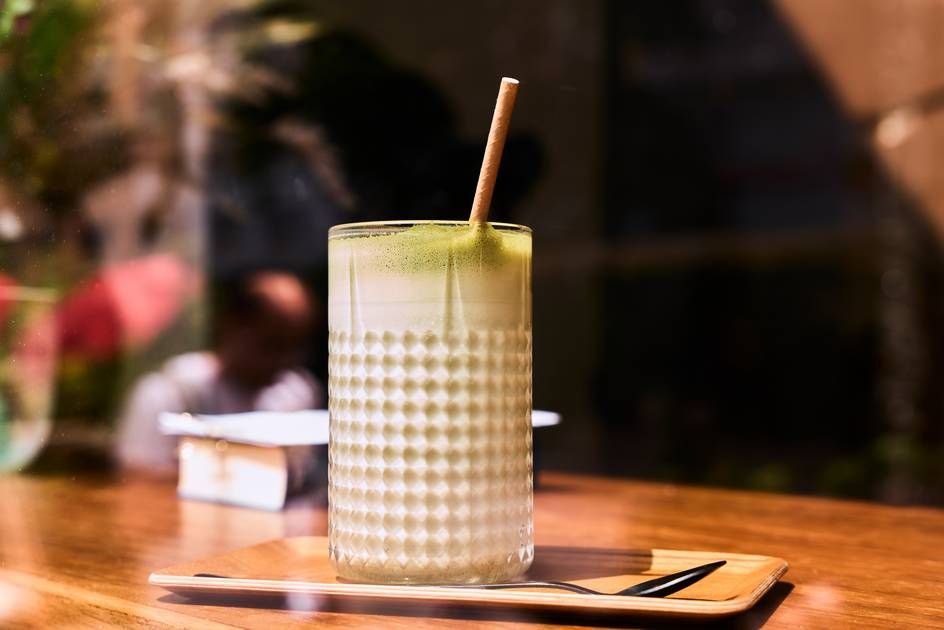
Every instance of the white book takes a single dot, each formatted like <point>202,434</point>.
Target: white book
<point>230,472</point>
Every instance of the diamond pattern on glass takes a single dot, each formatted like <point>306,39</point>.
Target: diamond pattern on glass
<point>430,455</point>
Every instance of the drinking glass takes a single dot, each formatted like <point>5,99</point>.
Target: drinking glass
<point>27,373</point>
<point>430,462</point>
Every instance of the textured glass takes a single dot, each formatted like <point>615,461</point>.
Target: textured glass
<point>430,403</point>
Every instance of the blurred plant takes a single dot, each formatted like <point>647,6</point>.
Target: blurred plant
<point>851,475</point>
<point>50,104</point>
<point>60,138</point>
<point>912,468</point>
<point>9,11</point>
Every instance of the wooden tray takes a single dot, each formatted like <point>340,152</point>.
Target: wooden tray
<point>299,567</point>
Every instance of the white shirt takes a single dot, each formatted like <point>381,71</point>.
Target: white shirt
<point>192,383</point>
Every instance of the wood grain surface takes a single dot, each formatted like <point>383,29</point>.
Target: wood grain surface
<point>77,553</point>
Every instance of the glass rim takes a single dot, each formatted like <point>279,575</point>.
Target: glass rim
<point>349,229</point>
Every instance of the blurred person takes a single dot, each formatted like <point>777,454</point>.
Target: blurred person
<point>303,145</point>
<point>263,322</point>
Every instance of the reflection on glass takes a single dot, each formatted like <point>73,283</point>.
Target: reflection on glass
<point>27,372</point>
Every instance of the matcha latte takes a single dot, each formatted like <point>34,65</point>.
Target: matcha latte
<point>430,401</point>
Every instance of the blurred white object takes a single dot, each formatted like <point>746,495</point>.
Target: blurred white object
<point>544,419</point>
<point>238,474</point>
<point>272,428</point>
<point>255,459</point>
<point>259,428</point>
<point>11,226</point>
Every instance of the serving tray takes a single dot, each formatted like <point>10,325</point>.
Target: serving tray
<point>293,567</point>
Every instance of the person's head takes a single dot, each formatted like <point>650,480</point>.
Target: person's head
<point>263,322</point>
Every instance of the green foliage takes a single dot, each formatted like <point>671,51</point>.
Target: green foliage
<point>848,476</point>
<point>52,34</point>
<point>86,389</point>
<point>9,11</point>
<point>37,113</point>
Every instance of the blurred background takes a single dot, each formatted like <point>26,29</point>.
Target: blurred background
<point>737,207</point>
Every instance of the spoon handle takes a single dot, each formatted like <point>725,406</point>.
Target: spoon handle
<point>656,587</point>
<point>672,583</point>
<point>563,586</point>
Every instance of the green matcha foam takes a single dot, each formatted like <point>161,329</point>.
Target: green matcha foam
<point>433,247</point>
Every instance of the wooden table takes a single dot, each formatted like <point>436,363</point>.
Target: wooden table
<point>77,553</point>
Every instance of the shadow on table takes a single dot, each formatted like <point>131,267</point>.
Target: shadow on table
<point>583,563</point>
<point>554,487</point>
<point>757,616</point>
